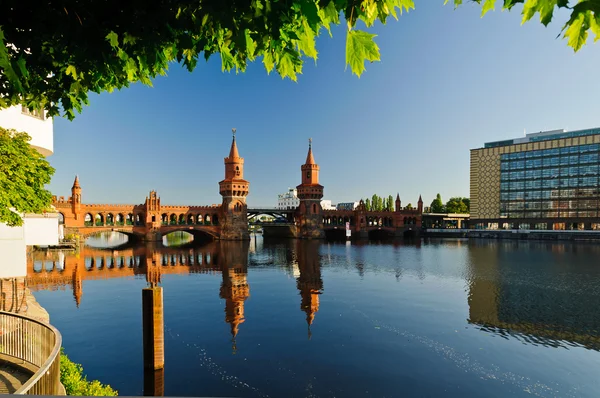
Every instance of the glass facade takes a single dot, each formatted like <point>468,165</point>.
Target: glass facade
<point>551,183</point>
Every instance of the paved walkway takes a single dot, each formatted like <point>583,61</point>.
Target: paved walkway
<point>12,376</point>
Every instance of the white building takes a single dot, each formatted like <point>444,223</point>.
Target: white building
<point>37,229</point>
<point>326,205</point>
<point>289,201</point>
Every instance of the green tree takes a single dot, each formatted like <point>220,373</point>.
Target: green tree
<point>390,200</point>
<point>53,59</point>
<point>437,206</point>
<point>409,206</point>
<point>367,204</point>
<point>467,202</point>
<point>23,174</point>
<point>456,205</point>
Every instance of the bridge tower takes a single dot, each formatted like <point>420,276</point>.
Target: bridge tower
<point>310,193</point>
<point>153,221</point>
<point>76,198</point>
<point>234,189</point>
<point>420,205</point>
<point>398,206</point>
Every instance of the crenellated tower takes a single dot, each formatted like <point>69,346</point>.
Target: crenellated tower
<point>76,198</point>
<point>234,189</point>
<point>310,192</point>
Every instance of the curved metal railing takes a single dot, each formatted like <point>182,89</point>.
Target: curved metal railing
<point>36,343</point>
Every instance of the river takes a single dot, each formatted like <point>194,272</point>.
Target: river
<point>294,318</point>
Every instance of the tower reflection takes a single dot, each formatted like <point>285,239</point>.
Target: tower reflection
<point>309,282</point>
<point>234,288</point>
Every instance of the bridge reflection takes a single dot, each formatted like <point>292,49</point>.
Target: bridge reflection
<point>58,270</point>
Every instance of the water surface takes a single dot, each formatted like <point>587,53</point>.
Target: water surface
<point>316,319</point>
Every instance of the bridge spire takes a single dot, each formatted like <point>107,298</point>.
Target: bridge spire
<point>309,158</point>
<point>233,153</point>
<point>76,182</point>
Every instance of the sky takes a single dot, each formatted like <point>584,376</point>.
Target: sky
<point>448,82</point>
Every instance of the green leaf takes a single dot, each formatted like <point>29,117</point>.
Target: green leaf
<point>307,41</point>
<point>577,32</point>
<point>113,39</point>
<point>360,47</point>
<point>488,5</point>
<point>250,45</point>
<point>289,64</point>
<point>71,71</point>
<point>268,61</point>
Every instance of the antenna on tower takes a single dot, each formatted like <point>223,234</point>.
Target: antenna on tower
<point>233,130</point>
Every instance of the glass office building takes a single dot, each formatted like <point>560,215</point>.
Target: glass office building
<point>546,180</point>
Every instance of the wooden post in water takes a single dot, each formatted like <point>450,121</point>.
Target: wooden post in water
<point>154,382</point>
<point>153,328</point>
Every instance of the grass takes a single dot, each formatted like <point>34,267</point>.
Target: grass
<point>75,382</point>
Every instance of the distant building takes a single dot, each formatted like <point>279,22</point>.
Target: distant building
<point>546,180</point>
<point>288,200</point>
<point>37,229</point>
<point>326,205</point>
<point>347,206</point>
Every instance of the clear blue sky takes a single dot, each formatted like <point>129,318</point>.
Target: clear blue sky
<point>448,81</point>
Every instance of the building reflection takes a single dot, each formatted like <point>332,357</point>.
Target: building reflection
<point>309,281</point>
<point>234,288</point>
<point>547,309</point>
<point>13,296</point>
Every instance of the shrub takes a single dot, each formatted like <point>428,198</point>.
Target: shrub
<point>75,382</point>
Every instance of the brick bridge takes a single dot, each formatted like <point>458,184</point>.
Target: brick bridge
<point>150,221</point>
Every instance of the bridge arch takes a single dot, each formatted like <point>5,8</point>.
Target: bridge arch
<point>88,219</point>
<point>61,218</point>
<point>129,220</point>
<point>99,219</point>
<point>190,219</point>
<point>381,234</point>
<point>110,219</point>
<point>139,219</point>
<point>120,220</point>
<point>181,219</point>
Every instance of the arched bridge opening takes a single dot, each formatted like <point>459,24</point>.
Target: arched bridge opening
<point>110,238</point>
<point>381,234</point>
<point>335,234</point>
<point>183,237</point>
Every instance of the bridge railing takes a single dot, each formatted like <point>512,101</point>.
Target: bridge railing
<point>35,343</point>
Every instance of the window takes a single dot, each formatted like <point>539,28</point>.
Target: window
<point>37,113</point>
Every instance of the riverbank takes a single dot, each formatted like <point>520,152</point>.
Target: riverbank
<point>517,234</point>
<point>73,380</point>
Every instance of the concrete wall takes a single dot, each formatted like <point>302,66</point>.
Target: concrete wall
<point>41,131</point>
<point>13,255</point>
<point>41,230</point>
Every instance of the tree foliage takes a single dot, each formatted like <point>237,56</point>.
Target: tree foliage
<point>52,57</point>
<point>379,203</point>
<point>437,206</point>
<point>23,174</point>
<point>458,205</point>
<point>76,383</point>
